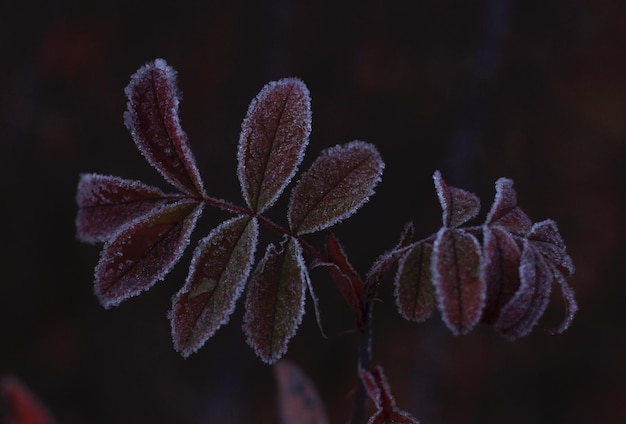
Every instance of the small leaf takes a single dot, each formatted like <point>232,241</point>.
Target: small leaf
<point>571,307</point>
<point>343,274</point>
<point>19,406</point>
<point>144,251</point>
<point>505,212</point>
<point>501,263</point>
<point>459,206</point>
<point>456,273</point>
<point>273,138</point>
<point>522,312</point>
<point>339,182</point>
<point>107,203</point>
<point>414,290</point>
<point>275,300</point>
<point>152,118</point>
<point>545,236</point>
<point>376,384</point>
<point>219,269</point>
<point>381,267</point>
<point>299,401</point>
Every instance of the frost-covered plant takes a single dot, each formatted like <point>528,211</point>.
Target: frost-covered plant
<point>499,273</point>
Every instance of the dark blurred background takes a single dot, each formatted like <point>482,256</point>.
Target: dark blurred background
<point>532,90</point>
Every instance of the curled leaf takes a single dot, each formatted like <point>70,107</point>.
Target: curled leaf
<point>107,203</point>
<point>298,398</point>
<point>414,290</point>
<point>501,263</point>
<point>460,289</point>
<point>343,274</point>
<point>521,313</point>
<point>144,251</point>
<point>571,307</point>
<point>273,138</point>
<point>275,300</point>
<point>458,205</point>
<point>545,236</point>
<point>152,118</point>
<point>505,212</point>
<point>339,182</point>
<point>219,269</point>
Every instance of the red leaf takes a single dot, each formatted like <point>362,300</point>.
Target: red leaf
<point>339,182</point>
<point>523,311</point>
<point>505,212</point>
<point>275,300</point>
<point>343,274</point>
<point>144,251</point>
<point>459,206</point>
<point>376,384</point>
<point>456,276</point>
<point>152,118</point>
<point>273,138</point>
<point>23,407</point>
<point>299,401</point>
<point>545,236</point>
<point>501,263</point>
<point>107,203</point>
<point>414,290</point>
<point>219,269</point>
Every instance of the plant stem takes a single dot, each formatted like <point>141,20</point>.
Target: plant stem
<point>365,363</point>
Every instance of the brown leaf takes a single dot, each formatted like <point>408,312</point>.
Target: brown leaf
<point>298,398</point>
<point>414,290</point>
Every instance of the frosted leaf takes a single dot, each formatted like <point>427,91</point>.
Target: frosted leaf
<point>273,138</point>
<point>459,206</point>
<point>339,182</point>
<point>297,396</point>
<point>275,300</point>
<point>505,212</point>
<point>18,405</point>
<point>152,118</point>
<point>414,290</point>
<point>107,203</point>
<point>219,269</point>
<point>501,263</point>
<point>545,236</point>
<point>460,289</point>
<point>377,386</point>
<point>144,251</point>
<point>344,276</point>
<point>571,307</point>
<point>381,266</point>
<point>522,312</point>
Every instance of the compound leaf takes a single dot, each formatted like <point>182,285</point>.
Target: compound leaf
<point>219,269</point>
<point>458,205</point>
<point>298,398</point>
<point>152,118</point>
<point>273,138</point>
<point>414,290</point>
<point>501,263</point>
<point>339,182</point>
<point>457,279</point>
<point>505,212</point>
<point>275,300</point>
<point>144,251</point>
<point>107,203</point>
